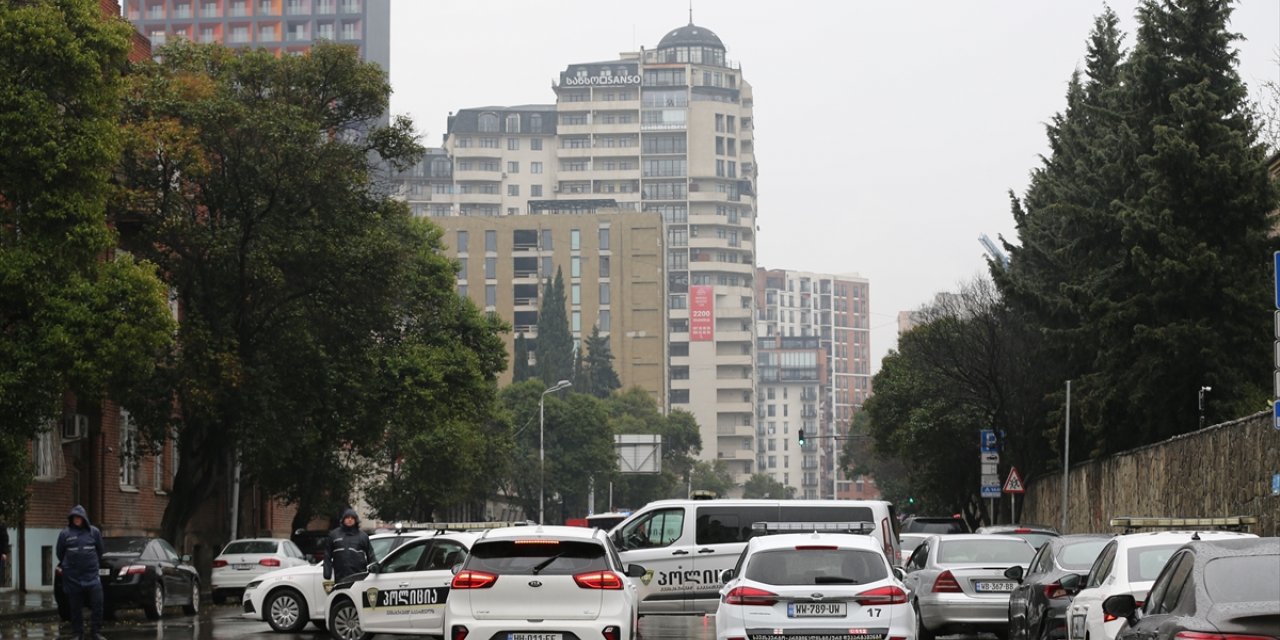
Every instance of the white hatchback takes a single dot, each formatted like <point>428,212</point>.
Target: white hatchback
<point>816,585</point>
<point>543,583</point>
<point>243,561</point>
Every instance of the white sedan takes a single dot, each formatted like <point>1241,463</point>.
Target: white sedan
<point>816,585</point>
<point>287,599</point>
<point>542,583</point>
<point>243,561</point>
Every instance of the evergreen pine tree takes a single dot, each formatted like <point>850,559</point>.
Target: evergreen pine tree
<point>520,357</point>
<point>555,344</point>
<point>599,378</point>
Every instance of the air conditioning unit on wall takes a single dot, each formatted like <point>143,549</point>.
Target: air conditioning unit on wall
<point>75,426</point>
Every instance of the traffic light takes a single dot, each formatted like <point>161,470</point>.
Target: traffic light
<point>802,437</point>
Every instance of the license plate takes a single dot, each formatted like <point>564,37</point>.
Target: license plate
<point>104,572</point>
<point>241,567</point>
<point>994,587</point>
<point>816,609</point>
<point>1077,626</point>
<point>534,636</point>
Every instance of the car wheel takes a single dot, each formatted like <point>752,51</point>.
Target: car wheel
<point>923,633</point>
<point>286,610</point>
<point>193,608</point>
<point>155,608</point>
<point>344,622</point>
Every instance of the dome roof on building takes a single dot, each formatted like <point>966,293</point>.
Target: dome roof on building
<point>691,35</point>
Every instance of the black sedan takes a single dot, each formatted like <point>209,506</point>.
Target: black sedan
<point>1209,590</point>
<point>141,572</point>
<point>1038,606</point>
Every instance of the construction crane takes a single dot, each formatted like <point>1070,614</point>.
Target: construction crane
<point>995,252</point>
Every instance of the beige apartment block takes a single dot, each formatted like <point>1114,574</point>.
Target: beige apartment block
<point>667,132</point>
<point>612,279</point>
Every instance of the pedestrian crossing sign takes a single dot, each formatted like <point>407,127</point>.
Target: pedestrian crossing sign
<point>1014,482</point>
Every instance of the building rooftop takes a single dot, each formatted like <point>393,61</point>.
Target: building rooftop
<point>691,35</point>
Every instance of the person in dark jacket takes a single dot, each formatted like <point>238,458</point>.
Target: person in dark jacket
<point>79,554</point>
<point>4,550</point>
<point>348,550</point>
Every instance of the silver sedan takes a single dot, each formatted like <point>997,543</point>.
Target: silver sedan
<point>958,585</point>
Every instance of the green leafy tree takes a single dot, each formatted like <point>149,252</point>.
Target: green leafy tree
<point>520,360</point>
<point>712,476</point>
<point>73,318</point>
<point>763,485</point>
<point>246,176</point>
<point>634,411</point>
<point>554,348</point>
<point>595,374</point>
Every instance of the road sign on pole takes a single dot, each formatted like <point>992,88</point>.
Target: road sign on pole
<point>991,490</point>
<point>988,440</point>
<point>1276,409</point>
<point>1014,483</point>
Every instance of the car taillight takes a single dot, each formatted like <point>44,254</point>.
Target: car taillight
<point>218,564</point>
<point>473,580</point>
<point>1022,531</point>
<point>814,547</point>
<point>946,583</point>
<point>1198,635</point>
<point>57,571</point>
<point>132,570</point>
<point>460,632</point>
<point>606,580</point>
<point>1106,617</point>
<point>269,562</point>
<point>611,633</point>
<point>751,597</point>
<point>882,595</point>
<point>1054,590</point>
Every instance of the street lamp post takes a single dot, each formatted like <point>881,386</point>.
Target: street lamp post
<point>542,450</point>
<point>1203,390</point>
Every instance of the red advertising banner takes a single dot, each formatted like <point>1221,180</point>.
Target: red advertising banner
<point>702,319</point>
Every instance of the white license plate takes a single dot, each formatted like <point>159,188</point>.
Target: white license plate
<point>1077,626</point>
<point>817,609</point>
<point>104,572</point>
<point>241,567</point>
<point>534,636</point>
<point>994,587</point>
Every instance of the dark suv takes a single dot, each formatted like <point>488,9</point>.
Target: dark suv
<point>931,524</point>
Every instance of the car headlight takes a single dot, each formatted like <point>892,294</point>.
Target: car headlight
<point>252,585</point>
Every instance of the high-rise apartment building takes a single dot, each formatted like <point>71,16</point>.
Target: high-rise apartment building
<point>667,132</point>
<point>813,368</point>
<point>281,26</point>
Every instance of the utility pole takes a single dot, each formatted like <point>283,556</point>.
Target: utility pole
<point>1066,459</point>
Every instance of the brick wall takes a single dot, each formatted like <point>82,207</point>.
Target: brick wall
<point>1224,470</point>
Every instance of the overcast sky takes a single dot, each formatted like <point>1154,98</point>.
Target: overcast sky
<point>887,133</point>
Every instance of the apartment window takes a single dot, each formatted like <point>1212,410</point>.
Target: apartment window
<point>719,123</point>
<point>490,268</point>
<point>604,266</point>
<point>513,190</point>
<point>351,6</point>
<point>575,240</point>
<point>535,144</point>
<point>575,294</point>
<point>719,145</point>
<point>462,268</point>
<point>490,295</point>
<point>209,10</point>
<point>240,34</point>
<point>239,8</point>
<point>462,143</point>
<point>677,237</point>
<point>157,477</point>
<point>576,322</point>
<point>513,166</point>
<point>488,123</point>
<point>128,450</point>
<point>571,119</point>
<point>605,320</point>
<point>548,239</point>
<point>513,144</point>
<point>548,269</point>
<point>490,240</point>
<point>46,456</point>
<point>535,167</point>
<point>720,168</point>
<point>324,31</point>
<point>677,260</point>
<point>157,37</point>
<point>728,124</point>
<point>535,190</point>
<point>664,168</point>
<point>733,169</point>
<point>294,7</point>
<point>604,238</point>
<point>535,126</point>
<point>462,290</point>
<point>265,8</point>
<point>575,267</point>
<point>604,293</point>
<point>513,125</point>
<point>267,34</point>
<point>733,147</point>
<point>182,10</point>
<point>488,143</point>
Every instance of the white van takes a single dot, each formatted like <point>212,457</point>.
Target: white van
<point>686,544</point>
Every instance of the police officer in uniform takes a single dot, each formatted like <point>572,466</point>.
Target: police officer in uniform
<point>347,551</point>
<point>79,554</point>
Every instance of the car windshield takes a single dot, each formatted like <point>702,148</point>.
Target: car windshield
<point>124,546</point>
<point>1243,579</point>
<point>970,551</point>
<point>1079,556</point>
<point>381,546</point>
<point>816,566</point>
<point>251,546</point>
<point>1145,563</point>
<point>537,556</point>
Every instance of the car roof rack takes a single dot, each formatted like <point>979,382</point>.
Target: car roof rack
<point>769,528</point>
<point>1228,523</point>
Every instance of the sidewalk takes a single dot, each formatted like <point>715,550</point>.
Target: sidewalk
<point>33,604</point>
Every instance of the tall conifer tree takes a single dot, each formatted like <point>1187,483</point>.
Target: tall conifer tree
<point>555,343</point>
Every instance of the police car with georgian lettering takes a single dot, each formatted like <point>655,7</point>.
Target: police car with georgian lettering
<point>404,593</point>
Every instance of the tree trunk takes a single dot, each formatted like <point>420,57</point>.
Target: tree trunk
<point>200,466</point>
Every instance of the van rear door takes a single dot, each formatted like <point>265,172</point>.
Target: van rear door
<point>720,534</point>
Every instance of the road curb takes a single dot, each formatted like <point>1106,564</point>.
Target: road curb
<point>30,614</point>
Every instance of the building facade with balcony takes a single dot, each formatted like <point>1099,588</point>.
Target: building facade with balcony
<point>667,132</point>
<point>279,26</point>
<point>813,364</point>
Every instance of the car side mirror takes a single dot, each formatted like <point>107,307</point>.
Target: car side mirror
<point>1014,573</point>
<point>455,568</point>
<point>636,571</point>
<point>374,568</point>
<point>313,559</point>
<point>726,575</point>
<point>1071,582</point>
<point>1122,606</point>
<point>185,559</point>
<point>900,573</point>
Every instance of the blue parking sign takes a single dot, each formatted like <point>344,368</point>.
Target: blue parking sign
<point>1276,409</point>
<point>1275,484</point>
<point>988,439</point>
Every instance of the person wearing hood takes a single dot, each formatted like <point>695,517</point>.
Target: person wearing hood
<point>348,550</point>
<point>79,554</point>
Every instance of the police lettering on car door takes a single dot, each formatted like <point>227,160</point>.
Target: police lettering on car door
<point>405,601</point>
